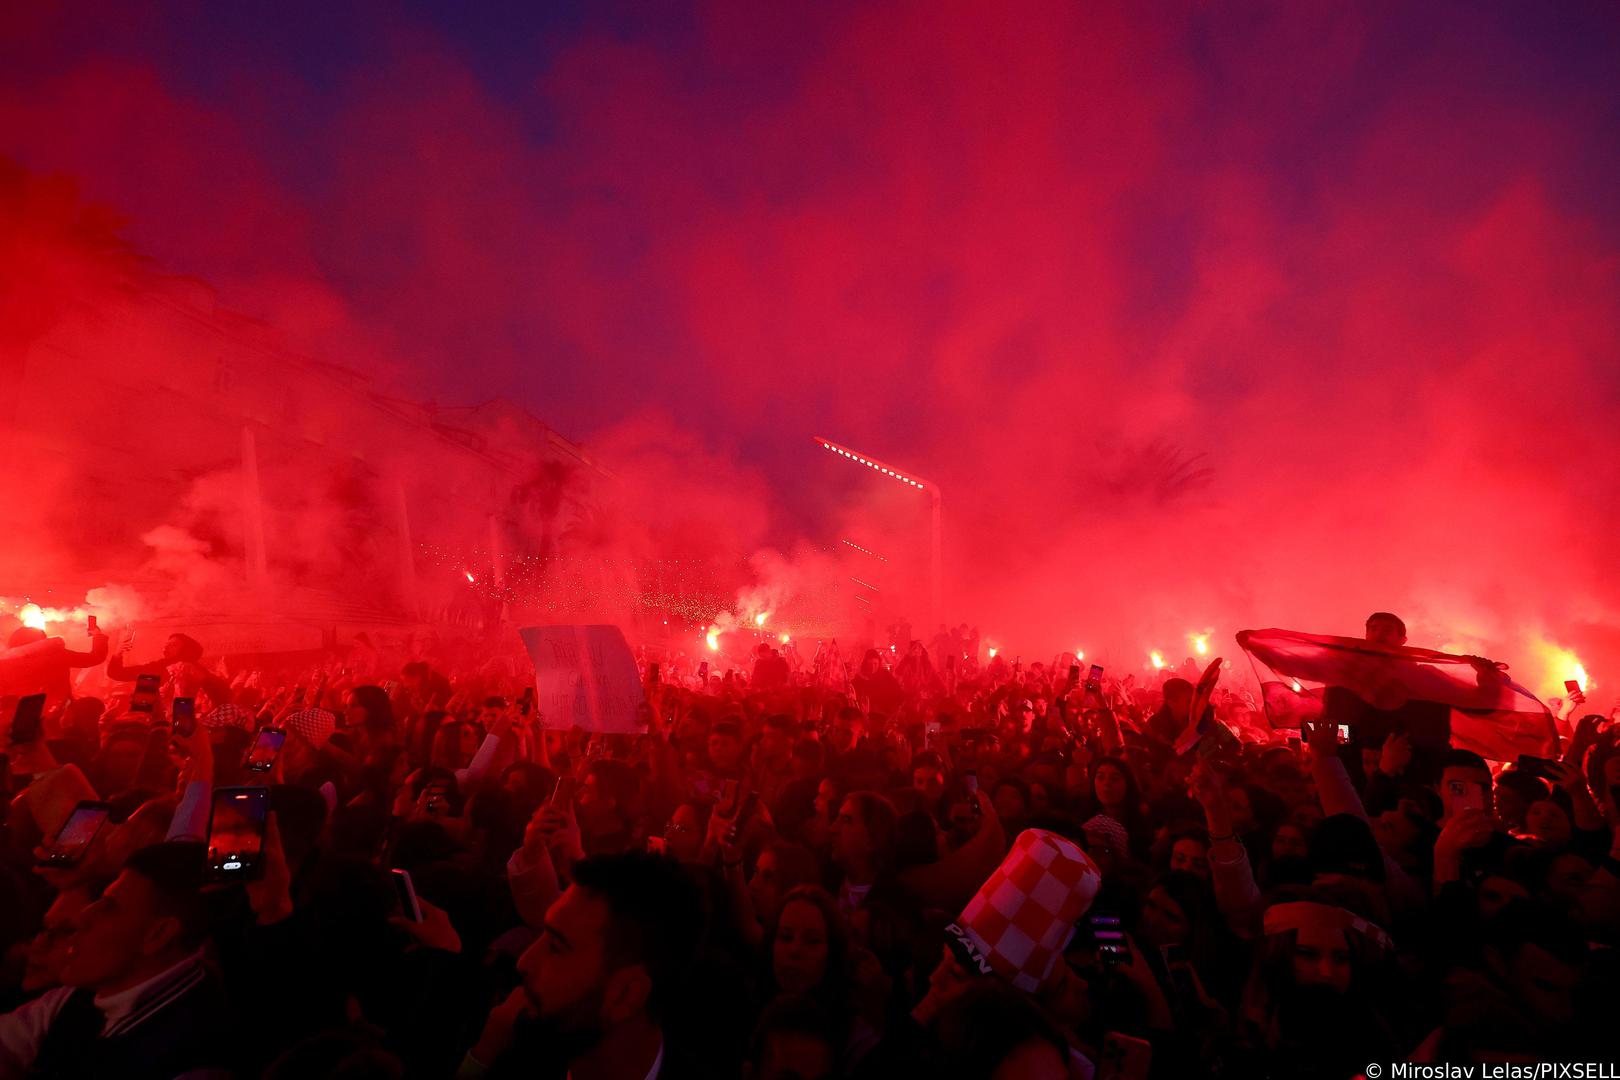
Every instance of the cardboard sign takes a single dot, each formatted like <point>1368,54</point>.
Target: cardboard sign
<point>585,677</point>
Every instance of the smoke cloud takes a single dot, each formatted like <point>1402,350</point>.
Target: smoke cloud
<point>1202,318</point>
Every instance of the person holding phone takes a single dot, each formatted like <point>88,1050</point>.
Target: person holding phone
<point>35,663</point>
<point>178,649</point>
<point>1470,833</point>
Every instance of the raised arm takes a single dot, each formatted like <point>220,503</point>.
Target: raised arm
<point>1236,893</point>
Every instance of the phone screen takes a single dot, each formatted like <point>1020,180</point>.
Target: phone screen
<point>526,702</point>
<point>1572,686</point>
<point>185,717</point>
<point>703,670</point>
<point>1112,948</point>
<point>76,834</point>
<point>406,891</point>
<point>261,756</point>
<point>727,803</point>
<point>144,699</point>
<point>436,799</point>
<point>652,673</point>
<point>25,721</point>
<point>236,832</point>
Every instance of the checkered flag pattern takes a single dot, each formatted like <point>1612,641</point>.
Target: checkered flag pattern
<point>313,725</point>
<point>237,716</point>
<point>1024,914</point>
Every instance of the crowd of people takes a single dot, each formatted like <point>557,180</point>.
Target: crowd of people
<point>914,865</point>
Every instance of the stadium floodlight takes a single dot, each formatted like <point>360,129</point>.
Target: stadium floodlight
<point>911,480</point>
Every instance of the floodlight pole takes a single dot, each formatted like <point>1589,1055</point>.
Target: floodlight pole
<point>936,522</point>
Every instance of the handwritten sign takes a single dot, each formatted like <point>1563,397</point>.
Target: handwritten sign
<point>585,677</point>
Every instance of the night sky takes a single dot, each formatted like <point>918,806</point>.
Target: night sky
<point>1358,262</point>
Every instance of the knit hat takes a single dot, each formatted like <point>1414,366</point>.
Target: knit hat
<point>1281,918</point>
<point>315,726</point>
<point>238,716</point>
<point>1019,922</point>
<point>1109,831</point>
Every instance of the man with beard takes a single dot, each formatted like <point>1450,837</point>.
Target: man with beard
<point>598,982</point>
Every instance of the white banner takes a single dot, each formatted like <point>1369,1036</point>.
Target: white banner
<point>585,677</point>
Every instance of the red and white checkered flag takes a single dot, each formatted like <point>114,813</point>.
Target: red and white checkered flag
<point>1022,917</point>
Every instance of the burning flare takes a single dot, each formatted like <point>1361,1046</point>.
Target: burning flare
<point>1157,658</point>
<point>35,617</point>
<point>759,620</point>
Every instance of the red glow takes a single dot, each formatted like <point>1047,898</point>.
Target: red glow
<point>1178,348</point>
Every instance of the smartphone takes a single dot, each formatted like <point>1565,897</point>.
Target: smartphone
<point>407,895</point>
<point>703,670</point>
<point>563,794</point>
<point>90,625</point>
<point>1074,676</point>
<point>1572,686</point>
<point>261,756</point>
<point>74,838</point>
<point>652,674</point>
<point>727,803</point>
<point>144,699</point>
<point>236,833</point>
<point>970,780</point>
<point>437,802</point>
<point>526,702</point>
<point>25,721</point>
<point>1466,795</point>
<point>185,717</point>
<point>1094,677</point>
<point>1109,937</point>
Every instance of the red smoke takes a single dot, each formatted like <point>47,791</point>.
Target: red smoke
<point>1267,316</point>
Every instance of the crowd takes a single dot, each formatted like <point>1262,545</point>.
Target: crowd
<point>914,865</point>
